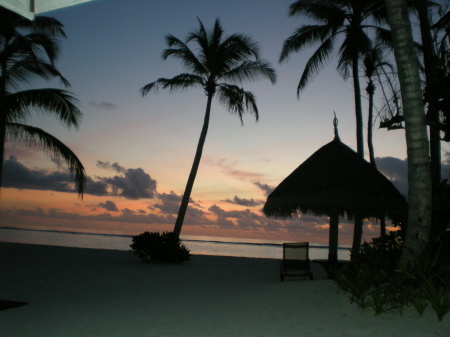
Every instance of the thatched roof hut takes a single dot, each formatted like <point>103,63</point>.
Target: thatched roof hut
<point>335,181</point>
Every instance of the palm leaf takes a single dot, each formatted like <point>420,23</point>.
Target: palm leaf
<point>315,63</point>
<point>305,36</point>
<point>318,10</point>
<point>25,70</point>
<point>35,137</point>
<point>250,70</point>
<point>58,102</point>
<point>237,100</point>
<point>177,83</point>
<point>181,52</point>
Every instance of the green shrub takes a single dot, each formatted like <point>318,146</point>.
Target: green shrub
<point>373,278</point>
<point>161,247</point>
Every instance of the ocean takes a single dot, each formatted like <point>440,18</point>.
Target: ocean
<point>198,245</point>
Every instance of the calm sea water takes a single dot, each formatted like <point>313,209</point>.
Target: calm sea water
<point>199,245</point>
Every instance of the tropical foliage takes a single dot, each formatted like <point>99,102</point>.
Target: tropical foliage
<point>28,51</point>
<point>159,247</point>
<point>373,279</point>
<point>220,66</point>
<point>335,21</point>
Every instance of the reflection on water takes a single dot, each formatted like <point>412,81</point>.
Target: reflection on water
<point>201,245</point>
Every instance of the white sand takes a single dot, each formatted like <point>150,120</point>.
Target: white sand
<point>104,293</point>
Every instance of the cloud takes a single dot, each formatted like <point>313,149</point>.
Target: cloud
<point>104,105</point>
<point>244,202</point>
<point>230,169</point>
<point>170,203</point>
<point>16,175</point>
<point>266,188</point>
<point>131,184</point>
<point>107,166</point>
<point>109,206</point>
<point>123,217</point>
<point>396,170</point>
<point>136,184</point>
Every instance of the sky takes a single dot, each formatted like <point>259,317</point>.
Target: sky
<point>138,151</point>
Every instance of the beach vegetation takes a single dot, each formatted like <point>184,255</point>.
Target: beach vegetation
<point>219,64</point>
<point>373,278</point>
<point>28,51</point>
<point>159,247</point>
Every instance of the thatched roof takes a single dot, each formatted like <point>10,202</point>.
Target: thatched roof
<point>335,178</point>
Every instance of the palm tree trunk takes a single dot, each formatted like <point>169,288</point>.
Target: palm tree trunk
<point>370,90</point>
<point>2,144</point>
<point>333,238</point>
<point>429,57</point>
<point>358,108</point>
<point>2,119</point>
<point>383,226</point>
<point>419,178</point>
<point>194,169</point>
<point>357,233</point>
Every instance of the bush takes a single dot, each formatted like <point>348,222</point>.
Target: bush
<point>160,247</point>
<point>373,279</point>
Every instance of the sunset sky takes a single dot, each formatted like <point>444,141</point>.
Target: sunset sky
<point>138,151</point>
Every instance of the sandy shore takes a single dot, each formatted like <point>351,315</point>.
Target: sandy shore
<point>104,293</point>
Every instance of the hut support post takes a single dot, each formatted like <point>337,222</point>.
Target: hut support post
<point>333,240</point>
<point>383,226</point>
<point>357,234</point>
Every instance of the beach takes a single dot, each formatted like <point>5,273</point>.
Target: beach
<point>104,293</point>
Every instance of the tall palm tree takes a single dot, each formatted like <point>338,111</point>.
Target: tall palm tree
<point>28,50</point>
<point>374,64</point>
<point>220,59</point>
<point>419,176</point>
<point>337,19</point>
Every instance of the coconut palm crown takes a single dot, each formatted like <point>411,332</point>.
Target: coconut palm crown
<point>221,64</point>
<point>28,50</point>
<point>336,21</point>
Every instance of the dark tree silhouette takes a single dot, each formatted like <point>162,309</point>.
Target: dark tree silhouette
<point>28,50</point>
<point>419,177</point>
<point>220,65</point>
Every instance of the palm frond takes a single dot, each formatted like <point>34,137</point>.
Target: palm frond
<point>35,137</point>
<point>43,43</point>
<point>315,63</point>
<point>237,100</point>
<point>48,25</point>
<point>384,37</point>
<point>250,70</point>
<point>25,70</point>
<point>58,102</point>
<point>176,83</point>
<point>238,47</point>
<point>180,51</point>
<point>304,36</point>
<point>356,44</point>
<point>322,11</point>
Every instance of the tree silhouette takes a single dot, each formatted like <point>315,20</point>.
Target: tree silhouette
<point>419,176</point>
<point>338,20</point>
<point>347,20</point>
<point>220,59</point>
<point>28,50</point>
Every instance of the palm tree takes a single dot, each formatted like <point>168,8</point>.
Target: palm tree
<point>373,63</point>
<point>419,176</point>
<point>346,19</point>
<point>28,50</point>
<point>220,59</point>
